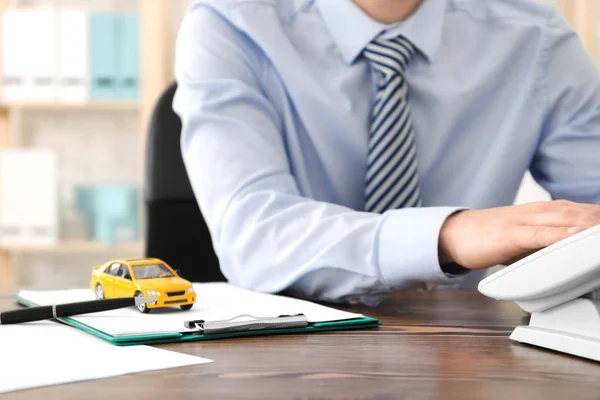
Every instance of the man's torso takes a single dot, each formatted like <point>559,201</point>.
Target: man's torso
<point>476,106</point>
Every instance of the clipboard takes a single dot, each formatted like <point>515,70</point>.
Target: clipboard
<point>185,326</point>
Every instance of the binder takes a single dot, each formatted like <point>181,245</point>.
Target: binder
<point>29,193</point>
<point>29,55</point>
<point>103,60</point>
<point>72,53</point>
<point>128,56</point>
<point>222,311</point>
<point>14,60</point>
<point>39,52</point>
<point>111,211</point>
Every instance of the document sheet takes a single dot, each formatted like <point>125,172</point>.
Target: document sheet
<point>38,354</point>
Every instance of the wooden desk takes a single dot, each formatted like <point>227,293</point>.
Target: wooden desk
<point>432,345</point>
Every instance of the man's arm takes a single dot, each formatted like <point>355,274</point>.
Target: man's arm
<point>567,163</point>
<point>267,235</point>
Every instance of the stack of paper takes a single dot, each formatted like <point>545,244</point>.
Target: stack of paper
<point>48,353</point>
<point>214,301</point>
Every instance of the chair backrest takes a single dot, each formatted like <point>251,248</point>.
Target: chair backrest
<point>175,228</point>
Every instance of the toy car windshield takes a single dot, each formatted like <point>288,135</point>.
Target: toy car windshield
<point>151,271</point>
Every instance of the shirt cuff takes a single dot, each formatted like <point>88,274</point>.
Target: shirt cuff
<point>408,246</point>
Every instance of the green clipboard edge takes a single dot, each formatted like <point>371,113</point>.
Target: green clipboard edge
<point>162,338</point>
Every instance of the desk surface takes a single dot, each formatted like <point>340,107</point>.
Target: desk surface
<point>432,345</point>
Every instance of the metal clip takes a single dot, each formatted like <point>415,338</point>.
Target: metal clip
<point>233,325</point>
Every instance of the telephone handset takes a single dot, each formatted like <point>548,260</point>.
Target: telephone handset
<point>560,287</point>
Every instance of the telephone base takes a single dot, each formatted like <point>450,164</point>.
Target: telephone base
<point>572,327</point>
<point>569,343</point>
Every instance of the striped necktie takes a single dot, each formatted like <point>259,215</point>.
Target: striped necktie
<point>392,179</point>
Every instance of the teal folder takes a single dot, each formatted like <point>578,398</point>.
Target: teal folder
<point>103,63</point>
<point>111,211</point>
<point>128,56</point>
<point>217,295</point>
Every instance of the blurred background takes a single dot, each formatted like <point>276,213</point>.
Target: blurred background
<point>79,80</point>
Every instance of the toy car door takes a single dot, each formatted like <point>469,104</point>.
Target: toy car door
<point>108,280</point>
<point>124,286</point>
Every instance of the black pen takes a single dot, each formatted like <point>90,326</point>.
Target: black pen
<point>66,310</point>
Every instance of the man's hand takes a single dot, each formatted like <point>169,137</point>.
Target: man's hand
<point>477,239</point>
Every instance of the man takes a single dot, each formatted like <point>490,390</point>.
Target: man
<point>343,149</point>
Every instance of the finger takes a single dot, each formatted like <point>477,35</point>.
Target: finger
<point>537,237</point>
<point>566,217</point>
<point>563,214</point>
<point>586,207</point>
<point>542,206</point>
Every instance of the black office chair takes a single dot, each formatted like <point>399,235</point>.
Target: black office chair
<point>175,228</point>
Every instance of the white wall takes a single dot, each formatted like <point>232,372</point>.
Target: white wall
<point>530,191</point>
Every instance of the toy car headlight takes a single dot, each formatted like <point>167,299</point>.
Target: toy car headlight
<point>152,293</point>
<point>191,290</point>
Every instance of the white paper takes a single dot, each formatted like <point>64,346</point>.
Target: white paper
<point>214,301</point>
<point>47,353</point>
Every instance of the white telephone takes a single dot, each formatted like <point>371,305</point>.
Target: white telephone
<point>560,287</point>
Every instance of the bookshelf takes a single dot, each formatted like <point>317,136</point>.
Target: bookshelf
<point>74,246</point>
<point>156,34</point>
<point>111,105</point>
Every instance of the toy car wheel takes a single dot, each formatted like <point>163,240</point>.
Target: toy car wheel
<point>142,307</point>
<point>99,292</point>
<point>187,307</point>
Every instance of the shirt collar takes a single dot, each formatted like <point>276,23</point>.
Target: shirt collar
<point>352,29</point>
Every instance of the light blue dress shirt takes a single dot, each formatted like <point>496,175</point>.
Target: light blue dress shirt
<point>275,100</point>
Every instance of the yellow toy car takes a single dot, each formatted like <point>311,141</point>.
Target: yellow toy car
<point>142,277</point>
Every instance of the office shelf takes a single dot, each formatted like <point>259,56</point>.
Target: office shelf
<point>109,105</point>
<point>156,28</point>
<point>81,246</point>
